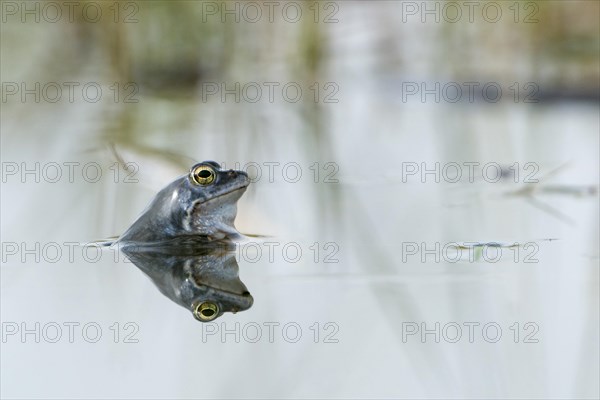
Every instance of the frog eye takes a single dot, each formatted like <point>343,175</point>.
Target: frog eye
<point>203,175</point>
<point>206,311</point>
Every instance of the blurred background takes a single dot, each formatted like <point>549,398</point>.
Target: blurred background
<point>353,96</point>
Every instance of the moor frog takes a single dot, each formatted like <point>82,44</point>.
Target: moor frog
<point>202,203</point>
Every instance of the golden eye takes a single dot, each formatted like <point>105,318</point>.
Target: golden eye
<point>203,175</point>
<point>206,311</point>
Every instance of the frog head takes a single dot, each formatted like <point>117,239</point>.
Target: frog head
<point>202,202</point>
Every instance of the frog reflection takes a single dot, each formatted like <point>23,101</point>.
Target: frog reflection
<point>198,275</point>
<point>203,202</point>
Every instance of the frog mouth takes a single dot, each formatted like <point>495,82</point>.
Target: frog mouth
<point>230,192</point>
<point>240,301</point>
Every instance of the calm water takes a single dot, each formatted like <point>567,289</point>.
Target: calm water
<point>349,275</point>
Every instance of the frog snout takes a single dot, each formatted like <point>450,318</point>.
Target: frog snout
<point>233,174</point>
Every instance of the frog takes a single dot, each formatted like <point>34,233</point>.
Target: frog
<point>201,277</point>
<point>201,203</point>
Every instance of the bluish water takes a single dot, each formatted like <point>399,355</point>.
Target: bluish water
<point>357,289</point>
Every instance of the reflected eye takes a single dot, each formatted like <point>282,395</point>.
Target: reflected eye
<point>203,175</point>
<point>206,311</point>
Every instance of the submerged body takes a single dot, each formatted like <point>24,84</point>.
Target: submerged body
<point>201,203</point>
